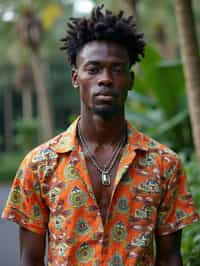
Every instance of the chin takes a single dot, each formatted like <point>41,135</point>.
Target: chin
<point>106,113</point>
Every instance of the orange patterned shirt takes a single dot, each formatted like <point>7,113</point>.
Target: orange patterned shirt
<point>52,193</point>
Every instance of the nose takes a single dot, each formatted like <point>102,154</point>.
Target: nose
<point>105,79</point>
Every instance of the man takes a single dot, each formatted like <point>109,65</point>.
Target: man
<point>101,190</point>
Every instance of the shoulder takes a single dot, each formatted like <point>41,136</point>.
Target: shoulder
<point>160,148</point>
<point>163,155</point>
<point>43,156</point>
<point>153,151</point>
<point>169,161</point>
<point>43,159</point>
<point>144,142</point>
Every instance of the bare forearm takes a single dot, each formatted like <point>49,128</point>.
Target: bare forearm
<point>31,262</point>
<point>168,250</point>
<point>32,248</point>
<point>172,260</point>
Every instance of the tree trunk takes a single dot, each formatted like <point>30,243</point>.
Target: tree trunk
<point>27,108</point>
<point>8,119</point>
<point>132,6</point>
<point>44,110</point>
<point>191,64</point>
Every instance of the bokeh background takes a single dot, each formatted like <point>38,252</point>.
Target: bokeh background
<point>37,100</point>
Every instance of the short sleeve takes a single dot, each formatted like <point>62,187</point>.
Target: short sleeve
<point>177,208</point>
<point>25,205</point>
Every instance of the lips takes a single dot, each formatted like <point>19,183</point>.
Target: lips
<point>106,93</point>
<point>105,97</point>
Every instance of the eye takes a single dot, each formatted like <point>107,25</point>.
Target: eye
<point>93,70</point>
<point>118,69</point>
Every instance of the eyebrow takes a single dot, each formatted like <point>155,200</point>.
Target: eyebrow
<point>92,62</point>
<point>95,62</point>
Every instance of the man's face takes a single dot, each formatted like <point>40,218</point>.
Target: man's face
<point>103,77</point>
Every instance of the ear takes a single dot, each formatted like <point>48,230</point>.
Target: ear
<point>74,78</point>
<point>132,78</point>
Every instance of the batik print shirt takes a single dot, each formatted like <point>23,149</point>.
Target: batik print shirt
<point>52,193</point>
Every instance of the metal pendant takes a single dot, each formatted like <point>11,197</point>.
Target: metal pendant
<point>105,178</point>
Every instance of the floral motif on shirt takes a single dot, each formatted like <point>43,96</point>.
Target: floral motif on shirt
<point>150,186</point>
<point>123,204</point>
<point>119,232</point>
<point>142,240</point>
<point>85,253</point>
<point>116,260</point>
<point>77,197</point>
<point>16,197</point>
<point>70,172</point>
<point>82,226</point>
<point>144,213</point>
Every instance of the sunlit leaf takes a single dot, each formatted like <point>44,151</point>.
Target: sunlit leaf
<point>49,15</point>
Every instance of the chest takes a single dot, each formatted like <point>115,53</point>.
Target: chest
<point>138,191</point>
<point>103,193</point>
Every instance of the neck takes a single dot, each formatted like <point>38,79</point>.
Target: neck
<point>100,131</point>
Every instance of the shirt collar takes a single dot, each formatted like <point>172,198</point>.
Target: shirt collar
<point>136,139</point>
<point>67,140</point>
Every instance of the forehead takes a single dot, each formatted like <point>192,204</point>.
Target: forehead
<point>102,51</point>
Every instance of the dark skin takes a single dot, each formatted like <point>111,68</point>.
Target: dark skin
<point>32,248</point>
<point>103,78</point>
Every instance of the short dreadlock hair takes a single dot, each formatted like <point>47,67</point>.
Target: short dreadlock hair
<point>103,26</point>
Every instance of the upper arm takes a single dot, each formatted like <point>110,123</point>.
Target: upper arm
<point>168,249</point>
<point>176,209</point>
<point>26,205</point>
<point>32,248</point>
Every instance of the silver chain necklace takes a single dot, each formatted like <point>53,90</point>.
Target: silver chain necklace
<point>106,170</point>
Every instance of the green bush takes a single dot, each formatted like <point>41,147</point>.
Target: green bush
<point>26,138</point>
<point>9,164</point>
<point>191,234</point>
<point>27,134</point>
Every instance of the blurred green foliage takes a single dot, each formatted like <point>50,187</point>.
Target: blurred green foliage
<point>27,134</point>
<point>9,164</point>
<point>191,234</point>
<point>157,105</point>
